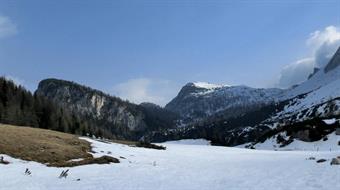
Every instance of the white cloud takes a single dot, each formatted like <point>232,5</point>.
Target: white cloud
<point>296,73</point>
<point>7,27</point>
<point>329,35</point>
<point>322,45</point>
<point>146,90</point>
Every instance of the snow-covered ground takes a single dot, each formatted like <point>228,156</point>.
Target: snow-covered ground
<point>190,142</point>
<point>182,167</point>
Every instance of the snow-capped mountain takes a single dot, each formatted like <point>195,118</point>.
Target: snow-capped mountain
<point>317,97</point>
<point>311,110</point>
<point>200,100</point>
<point>233,115</point>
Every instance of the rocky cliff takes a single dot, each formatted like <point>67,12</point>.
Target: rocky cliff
<point>123,119</point>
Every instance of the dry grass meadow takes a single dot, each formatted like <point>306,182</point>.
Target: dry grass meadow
<point>45,146</point>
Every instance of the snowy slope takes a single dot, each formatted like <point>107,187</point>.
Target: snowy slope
<point>320,100</point>
<point>190,142</point>
<point>182,167</point>
<point>197,101</point>
<point>321,89</point>
<point>320,79</point>
<point>232,115</point>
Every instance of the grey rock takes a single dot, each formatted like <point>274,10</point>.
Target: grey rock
<point>335,161</point>
<point>321,160</point>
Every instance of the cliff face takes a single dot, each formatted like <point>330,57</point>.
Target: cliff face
<point>123,119</point>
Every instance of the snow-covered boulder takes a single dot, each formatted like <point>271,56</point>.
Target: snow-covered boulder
<point>335,161</point>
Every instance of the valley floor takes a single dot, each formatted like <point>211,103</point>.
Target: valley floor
<point>182,167</point>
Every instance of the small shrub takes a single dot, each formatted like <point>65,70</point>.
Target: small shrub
<point>63,174</point>
<point>28,172</point>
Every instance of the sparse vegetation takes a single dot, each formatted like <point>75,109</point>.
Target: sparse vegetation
<point>64,174</point>
<point>28,172</point>
<point>49,147</point>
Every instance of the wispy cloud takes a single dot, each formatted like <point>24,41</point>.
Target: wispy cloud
<point>322,45</point>
<point>7,27</point>
<point>140,90</point>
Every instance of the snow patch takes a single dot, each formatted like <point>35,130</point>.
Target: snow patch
<point>330,121</point>
<point>190,142</point>
<point>208,85</point>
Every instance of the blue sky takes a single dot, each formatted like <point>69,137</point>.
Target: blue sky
<point>146,50</point>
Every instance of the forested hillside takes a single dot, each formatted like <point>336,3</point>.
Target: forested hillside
<point>118,118</point>
<point>18,106</point>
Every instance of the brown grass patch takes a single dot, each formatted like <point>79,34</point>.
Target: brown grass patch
<point>45,146</point>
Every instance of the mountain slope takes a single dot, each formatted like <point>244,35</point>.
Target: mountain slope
<point>285,115</point>
<point>319,96</point>
<point>328,74</point>
<point>122,120</point>
<point>197,101</point>
<point>18,106</point>
<point>305,116</point>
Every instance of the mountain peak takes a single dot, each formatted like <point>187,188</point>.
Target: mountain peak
<point>334,62</point>
<point>205,85</point>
